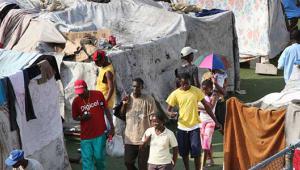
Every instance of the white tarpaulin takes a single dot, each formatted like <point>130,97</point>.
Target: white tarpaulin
<point>149,43</point>
<point>260,24</point>
<point>149,38</point>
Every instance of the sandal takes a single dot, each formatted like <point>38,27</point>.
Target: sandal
<point>209,163</point>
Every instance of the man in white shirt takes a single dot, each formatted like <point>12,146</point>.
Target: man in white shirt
<point>17,161</point>
<point>290,55</point>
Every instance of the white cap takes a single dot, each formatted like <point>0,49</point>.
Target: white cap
<point>187,50</point>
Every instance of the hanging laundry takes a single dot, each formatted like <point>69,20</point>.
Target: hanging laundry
<point>11,98</point>
<point>252,135</point>
<point>2,93</point>
<point>20,83</point>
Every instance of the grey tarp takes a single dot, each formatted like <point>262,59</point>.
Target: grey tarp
<point>292,119</point>
<point>155,47</point>
<point>150,41</point>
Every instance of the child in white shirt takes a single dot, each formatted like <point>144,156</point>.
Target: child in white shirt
<point>161,140</point>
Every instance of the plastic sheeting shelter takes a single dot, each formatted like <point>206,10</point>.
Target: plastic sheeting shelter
<point>150,44</point>
<point>150,40</point>
<point>260,24</point>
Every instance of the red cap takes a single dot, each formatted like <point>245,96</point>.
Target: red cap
<point>98,55</point>
<point>79,86</point>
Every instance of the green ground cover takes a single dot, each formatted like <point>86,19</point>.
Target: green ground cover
<point>256,87</point>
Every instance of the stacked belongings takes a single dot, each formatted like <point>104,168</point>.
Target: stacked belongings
<point>80,46</point>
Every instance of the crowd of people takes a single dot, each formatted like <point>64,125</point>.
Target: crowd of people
<point>146,138</point>
<point>198,105</point>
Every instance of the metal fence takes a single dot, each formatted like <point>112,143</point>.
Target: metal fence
<point>282,160</point>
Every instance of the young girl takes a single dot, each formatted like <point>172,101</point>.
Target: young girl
<point>161,140</point>
<point>207,125</point>
<point>219,79</point>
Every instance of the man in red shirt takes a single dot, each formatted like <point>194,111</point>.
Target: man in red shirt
<point>89,108</point>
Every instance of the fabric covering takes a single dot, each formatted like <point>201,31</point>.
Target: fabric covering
<point>14,25</point>
<point>290,92</point>
<point>18,60</point>
<point>52,155</point>
<point>149,49</point>
<point>206,12</point>
<point>290,8</point>
<point>251,134</point>
<point>37,35</point>
<point>260,24</point>
<point>48,117</point>
<point>8,139</point>
<point>292,118</point>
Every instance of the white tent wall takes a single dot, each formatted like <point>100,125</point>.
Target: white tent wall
<point>150,41</point>
<point>155,43</point>
<point>216,34</point>
<point>260,24</point>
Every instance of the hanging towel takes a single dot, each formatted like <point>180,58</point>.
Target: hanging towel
<point>252,135</point>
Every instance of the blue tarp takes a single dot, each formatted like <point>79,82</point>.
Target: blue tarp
<point>290,9</point>
<point>206,12</point>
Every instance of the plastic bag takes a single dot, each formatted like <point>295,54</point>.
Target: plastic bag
<point>115,146</point>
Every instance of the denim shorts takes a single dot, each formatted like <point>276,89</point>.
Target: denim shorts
<point>189,142</point>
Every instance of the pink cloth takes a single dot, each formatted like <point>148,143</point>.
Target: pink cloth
<point>207,129</point>
<point>296,160</point>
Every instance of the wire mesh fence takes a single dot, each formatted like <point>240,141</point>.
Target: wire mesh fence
<point>282,160</point>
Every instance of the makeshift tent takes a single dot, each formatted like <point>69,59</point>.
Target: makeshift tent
<point>260,24</point>
<point>29,109</point>
<point>149,45</point>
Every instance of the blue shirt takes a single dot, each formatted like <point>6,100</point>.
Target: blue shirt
<point>290,9</point>
<point>288,58</point>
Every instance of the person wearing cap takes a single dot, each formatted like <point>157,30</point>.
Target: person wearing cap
<point>106,77</point>
<point>106,84</point>
<point>290,55</point>
<point>187,56</point>
<point>16,160</point>
<point>89,108</point>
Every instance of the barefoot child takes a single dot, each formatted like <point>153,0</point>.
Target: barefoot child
<point>161,140</point>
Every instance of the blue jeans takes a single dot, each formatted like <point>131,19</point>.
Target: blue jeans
<point>93,153</point>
